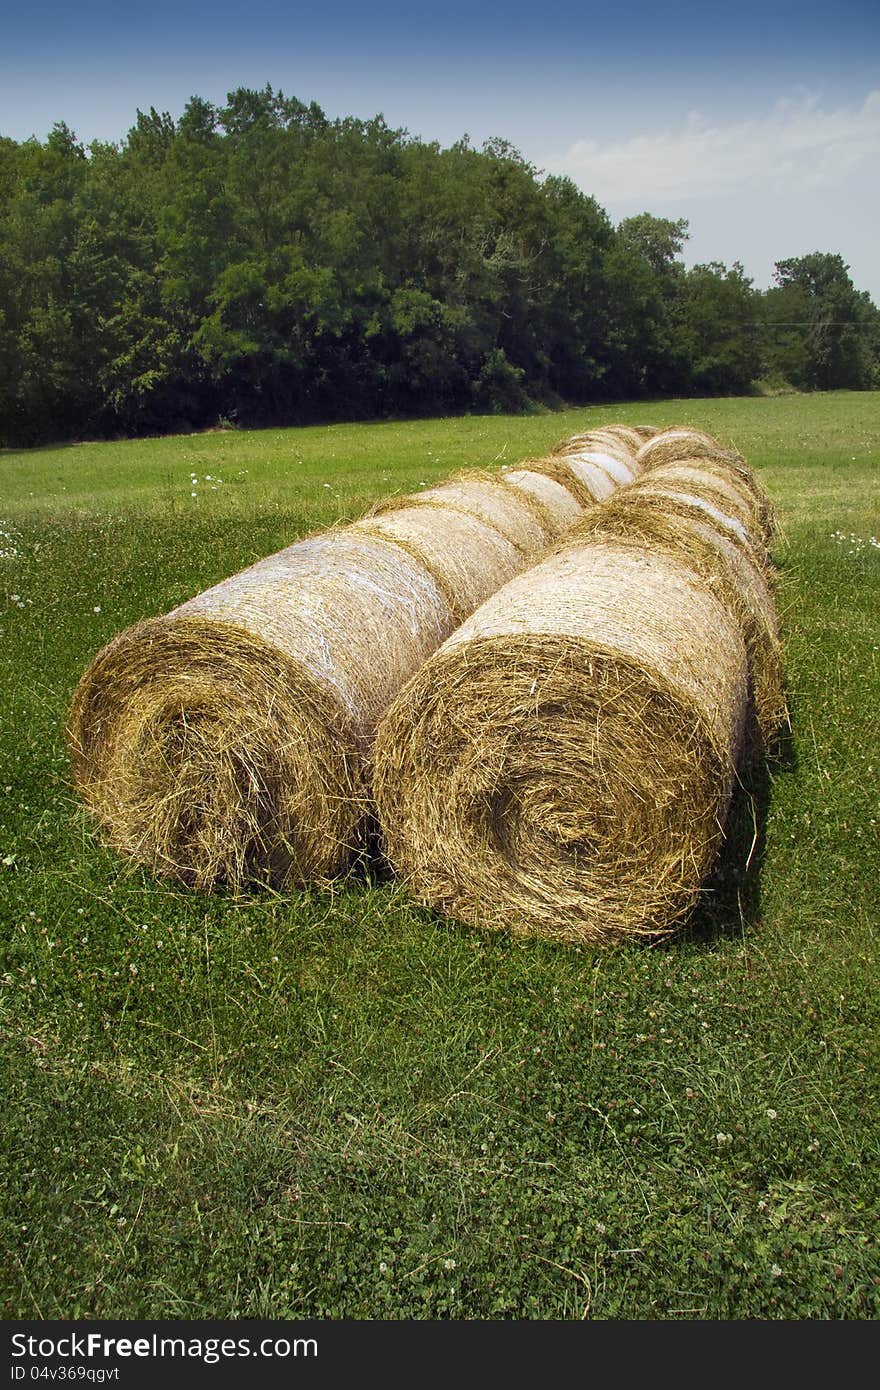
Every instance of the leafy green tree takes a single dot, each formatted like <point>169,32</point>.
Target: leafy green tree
<point>822,332</point>
<point>574,293</point>
<point>720,333</point>
<point>646,290</point>
<point>260,257</point>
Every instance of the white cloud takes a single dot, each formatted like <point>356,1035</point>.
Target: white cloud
<point>796,147</point>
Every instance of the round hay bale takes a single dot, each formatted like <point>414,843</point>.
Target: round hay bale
<point>609,438</point>
<point>520,518</point>
<point>621,470</point>
<point>558,500</point>
<point>627,435</point>
<point>701,503</point>
<point>467,558</point>
<point>563,765</point>
<point>730,468</point>
<point>679,442</point>
<point>585,489</point>
<point>595,478</point>
<point>675,446</point>
<point>724,490</point>
<point>594,443</point>
<point>631,518</point>
<point>227,740</point>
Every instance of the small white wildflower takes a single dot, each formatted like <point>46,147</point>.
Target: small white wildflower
<point>97,608</point>
<point>383,1268</point>
<point>771,1115</point>
<point>776,1271</point>
<point>449,1264</point>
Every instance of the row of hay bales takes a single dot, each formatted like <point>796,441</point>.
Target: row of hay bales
<point>231,739</point>
<point>564,763</point>
<point>544,684</point>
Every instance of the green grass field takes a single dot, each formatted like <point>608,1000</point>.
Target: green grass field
<point>333,1105</point>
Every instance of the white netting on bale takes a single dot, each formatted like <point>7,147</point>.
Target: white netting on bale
<point>558,500</point>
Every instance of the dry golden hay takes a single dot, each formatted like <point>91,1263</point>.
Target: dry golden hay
<point>726,491</point>
<point>619,439</point>
<point>227,740</point>
<point>621,470</point>
<point>674,443</point>
<point>563,765</point>
<point>732,469</point>
<point>519,517</point>
<point>558,500</point>
<point>674,447</point>
<point>597,480</point>
<point>610,438</point>
<point>701,502</point>
<point>627,435</point>
<point>467,558</point>
<point>604,435</point>
<point>606,450</point>
<point>586,490</point>
<point>632,518</point>
<point>645,431</point>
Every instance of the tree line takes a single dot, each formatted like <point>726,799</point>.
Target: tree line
<point>260,263</point>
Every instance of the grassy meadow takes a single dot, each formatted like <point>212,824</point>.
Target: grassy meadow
<point>335,1105</point>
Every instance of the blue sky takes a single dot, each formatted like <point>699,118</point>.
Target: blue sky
<point>759,123</point>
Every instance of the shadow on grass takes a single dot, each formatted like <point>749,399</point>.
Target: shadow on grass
<point>731,899</point>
